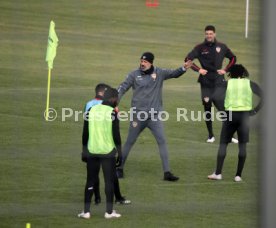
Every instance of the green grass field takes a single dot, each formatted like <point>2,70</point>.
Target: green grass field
<point>42,178</point>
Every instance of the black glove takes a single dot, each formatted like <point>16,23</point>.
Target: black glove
<point>253,112</point>
<point>119,158</point>
<point>84,154</point>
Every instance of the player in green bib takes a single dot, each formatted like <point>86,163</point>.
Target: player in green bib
<point>101,143</point>
<point>238,104</point>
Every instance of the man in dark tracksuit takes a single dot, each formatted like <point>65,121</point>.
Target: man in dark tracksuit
<point>211,54</point>
<point>147,83</point>
<point>239,106</point>
<point>101,142</point>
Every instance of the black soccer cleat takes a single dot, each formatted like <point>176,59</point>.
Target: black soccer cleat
<point>168,176</point>
<point>120,173</point>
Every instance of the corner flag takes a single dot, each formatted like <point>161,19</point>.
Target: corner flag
<point>52,45</point>
<point>50,55</point>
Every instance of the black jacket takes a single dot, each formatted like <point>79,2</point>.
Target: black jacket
<point>211,56</point>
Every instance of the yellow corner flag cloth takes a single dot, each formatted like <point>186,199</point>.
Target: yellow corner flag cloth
<point>52,45</point>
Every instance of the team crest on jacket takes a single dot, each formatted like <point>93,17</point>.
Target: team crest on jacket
<point>134,124</point>
<point>218,49</point>
<point>153,76</point>
<point>206,99</point>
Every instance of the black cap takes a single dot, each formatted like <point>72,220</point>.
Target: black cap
<point>148,56</point>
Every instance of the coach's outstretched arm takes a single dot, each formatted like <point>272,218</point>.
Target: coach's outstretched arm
<point>178,72</point>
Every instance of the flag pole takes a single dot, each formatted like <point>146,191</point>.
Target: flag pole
<point>48,94</point>
<point>246,18</point>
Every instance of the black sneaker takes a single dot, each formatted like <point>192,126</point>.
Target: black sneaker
<point>123,201</point>
<point>168,176</point>
<point>120,173</point>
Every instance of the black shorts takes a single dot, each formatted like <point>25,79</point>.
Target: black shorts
<point>236,122</point>
<point>213,91</point>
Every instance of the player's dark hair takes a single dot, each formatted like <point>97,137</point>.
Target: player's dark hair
<point>210,27</point>
<point>101,87</point>
<point>238,71</point>
<point>111,97</point>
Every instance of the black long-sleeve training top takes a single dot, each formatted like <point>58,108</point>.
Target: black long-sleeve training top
<point>258,91</point>
<point>211,56</point>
